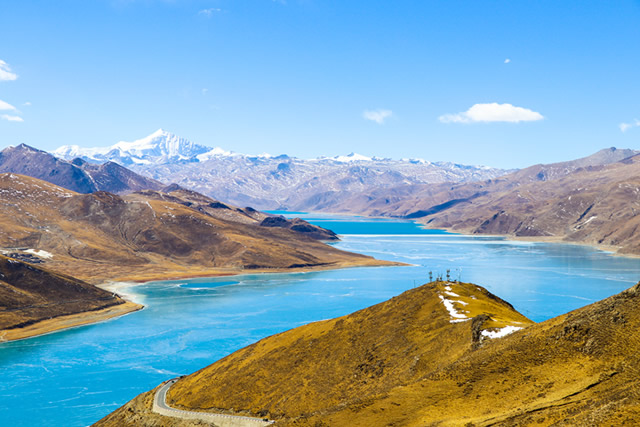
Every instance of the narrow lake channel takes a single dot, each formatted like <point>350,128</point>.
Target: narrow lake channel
<point>75,377</point>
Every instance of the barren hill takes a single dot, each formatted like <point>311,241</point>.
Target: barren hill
<point>414,361</point>
<point>102,236</point>
<point>595,205</point>
<point>30,295</point>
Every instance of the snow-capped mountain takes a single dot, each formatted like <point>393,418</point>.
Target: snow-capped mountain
<point>158,148</point>
<point>269,182</point>
<point>353,157</point>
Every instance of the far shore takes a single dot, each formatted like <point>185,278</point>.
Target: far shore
<point>611,249</point>
<point>222,272</point>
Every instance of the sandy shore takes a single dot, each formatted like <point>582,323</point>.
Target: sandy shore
<point>70,321</point>
<point>194,273</point>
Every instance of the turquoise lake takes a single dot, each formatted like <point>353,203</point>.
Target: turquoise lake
<point>75,377</point>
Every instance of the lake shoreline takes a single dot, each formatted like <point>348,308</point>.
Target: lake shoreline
<point>130,305</point>
<point>69,321</point>
<point>612,249</point>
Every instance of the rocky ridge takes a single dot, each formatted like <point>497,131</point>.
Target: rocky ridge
<point>271,182</point>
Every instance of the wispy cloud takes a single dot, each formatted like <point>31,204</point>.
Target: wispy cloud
<point>5,72</point>
<point>626,126</point>
<point>11,118</point>
<point>506,61</point>
<point>378,116</point>
<point>492,112</point>
<point>5,106</point>
<point>209,12</point>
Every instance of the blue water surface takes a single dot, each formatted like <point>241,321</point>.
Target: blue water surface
<point>75,377</point>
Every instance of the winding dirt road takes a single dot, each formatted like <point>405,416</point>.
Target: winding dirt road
<point>221,420</point>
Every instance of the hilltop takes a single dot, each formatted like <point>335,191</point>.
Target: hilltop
<point>439,354</point>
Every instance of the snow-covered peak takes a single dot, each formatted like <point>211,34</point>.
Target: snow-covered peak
<point>216,152</point>
<point>352,157</point>
<point>161,144</point>
<point>159,147</point>
<point>416,161</point>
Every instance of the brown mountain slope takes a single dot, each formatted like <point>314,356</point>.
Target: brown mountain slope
<point>77,175</point>
<point>595,200</point>
<point>403,363</point>
<point>219,210</point>
<point>416,199</point>
<point>30,294</point>
<point>101,236</point>
<point>594,205</point>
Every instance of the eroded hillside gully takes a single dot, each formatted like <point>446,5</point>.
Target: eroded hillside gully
<point>76,377</point>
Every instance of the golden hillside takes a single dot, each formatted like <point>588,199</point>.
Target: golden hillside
<point>142,236</point>
<point>406,362</point>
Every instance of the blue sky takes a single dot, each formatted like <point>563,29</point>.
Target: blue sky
<point>500,83</point>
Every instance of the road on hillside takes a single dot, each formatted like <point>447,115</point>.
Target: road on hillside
<point>221,420</point>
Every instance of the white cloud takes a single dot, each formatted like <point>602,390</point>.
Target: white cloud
<point>27,104</point>
<point>11,118</point>
<point>506,61</point>
<point>6,106</point>
<point>626,126</point>
<point>209,12</point>
<point>378,116</point>
<point>5,72</point>
<point>493,112</point>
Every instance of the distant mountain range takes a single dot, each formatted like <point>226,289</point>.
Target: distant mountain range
<point>271,182</point>
<point>593,200</point>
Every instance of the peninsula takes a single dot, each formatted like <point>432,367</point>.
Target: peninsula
<point>91,239</point>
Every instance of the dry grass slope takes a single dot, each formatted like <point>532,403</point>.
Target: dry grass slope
<point>403,362</point>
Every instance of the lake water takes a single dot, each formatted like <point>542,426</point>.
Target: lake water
<point>75,377</point>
